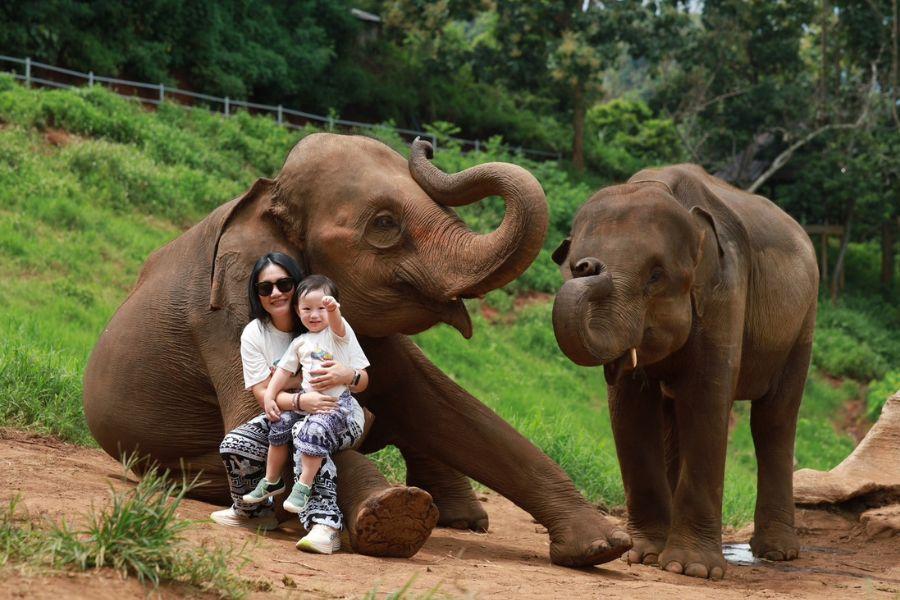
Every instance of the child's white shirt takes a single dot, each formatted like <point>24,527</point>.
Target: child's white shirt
<point>308,350</point>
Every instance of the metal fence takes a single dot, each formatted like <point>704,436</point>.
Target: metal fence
<point>156,93</point>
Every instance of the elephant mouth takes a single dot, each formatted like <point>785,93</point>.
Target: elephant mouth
<point>454,314</point>
<point>615,367</point>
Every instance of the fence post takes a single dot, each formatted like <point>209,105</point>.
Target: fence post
<point>162,92</point>
<point>90,79</point>
<point>28,72</point>
<point>280,116</point>
<point>330,123</point>
<point>226,106</point>
<point>477,146</point>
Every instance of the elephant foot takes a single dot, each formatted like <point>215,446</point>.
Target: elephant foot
<point>694,559</point>
<point>587,539</point>
<point>645,549</point>
<point>394,522</point>
<point>464,513</point>
<point>775,541</point>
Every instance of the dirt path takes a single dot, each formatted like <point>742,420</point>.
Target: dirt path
<point>59,480</point>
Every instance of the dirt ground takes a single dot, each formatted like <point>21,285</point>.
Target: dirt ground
<point>57,480</point>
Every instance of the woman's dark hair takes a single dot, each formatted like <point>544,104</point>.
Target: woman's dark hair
<point>291,268</point>
<point>313,283</point>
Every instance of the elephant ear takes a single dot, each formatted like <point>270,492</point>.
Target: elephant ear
<point>562,251</point>
<point>707,265</point>
<point>248,229</point>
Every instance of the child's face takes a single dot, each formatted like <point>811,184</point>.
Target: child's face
<point>312,312</point>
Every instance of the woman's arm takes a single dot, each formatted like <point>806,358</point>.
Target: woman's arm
<point>333,373</point>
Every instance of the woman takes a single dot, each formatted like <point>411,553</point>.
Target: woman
<point>273,324</point>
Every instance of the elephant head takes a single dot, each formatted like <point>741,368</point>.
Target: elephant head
<point>382,228</point>
<point>639,267</point>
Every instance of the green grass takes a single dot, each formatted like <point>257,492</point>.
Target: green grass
<point>137,534</point>
<point>77,221</point>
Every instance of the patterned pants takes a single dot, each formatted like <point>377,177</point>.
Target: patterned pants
<point>244,453</point>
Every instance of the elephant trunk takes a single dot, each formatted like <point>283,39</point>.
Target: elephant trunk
<point>481,263</point>
<point>572,312</point>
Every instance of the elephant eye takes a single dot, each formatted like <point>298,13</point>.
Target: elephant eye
<point>655,275</point>
<point>384,222</point>
<point>383,230</point>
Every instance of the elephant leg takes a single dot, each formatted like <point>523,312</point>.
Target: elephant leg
<point>450,489</point>
<point>694,545</point>
<point>670,439</point>
<point>773,421</point>
<point>636,411</point>
<point>445,422</point>
<point>381,519</point>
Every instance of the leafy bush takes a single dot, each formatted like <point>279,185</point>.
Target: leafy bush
<point>840,354</point>
<point>622,137</point>
<point>854,338</point>
<point>880,391</point>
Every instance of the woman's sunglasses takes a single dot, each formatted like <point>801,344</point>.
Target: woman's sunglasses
<point>284,285</point>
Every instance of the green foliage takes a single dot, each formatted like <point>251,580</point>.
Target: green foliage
<point>137,534</point>
<point>880,391</point>
<point>853,339</point>
<point>623,137</point>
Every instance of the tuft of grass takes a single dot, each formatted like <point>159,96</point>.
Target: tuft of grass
<point>137,534</point>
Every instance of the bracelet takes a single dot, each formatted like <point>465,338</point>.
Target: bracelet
<point>297,402</point>
<point>356,376</point>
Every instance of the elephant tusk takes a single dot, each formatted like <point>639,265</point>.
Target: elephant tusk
<point>634,358</point>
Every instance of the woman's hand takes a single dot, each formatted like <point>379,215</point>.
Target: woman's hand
<point>330,375</point>
<point>314,402</point>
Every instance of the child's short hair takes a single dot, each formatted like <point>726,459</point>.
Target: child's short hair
<point>312,283</point>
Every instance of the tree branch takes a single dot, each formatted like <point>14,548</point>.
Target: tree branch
<point>783,158</point>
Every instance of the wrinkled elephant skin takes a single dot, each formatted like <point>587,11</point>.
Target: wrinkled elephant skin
<point>165,376</point>
<point>692,294</point>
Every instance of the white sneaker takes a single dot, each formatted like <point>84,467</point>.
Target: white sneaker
<point>321,539</point>
<point>230,518</point>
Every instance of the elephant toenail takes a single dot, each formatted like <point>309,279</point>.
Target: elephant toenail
<point>601,545</point>
<point>650,559</point>
<point>696,570</point>
<point>717,573</point>
<point>792,554</point>
<point>619,538</point>
<point>674,567</point>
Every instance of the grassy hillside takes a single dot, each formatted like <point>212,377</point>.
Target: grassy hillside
<point>90,184</point>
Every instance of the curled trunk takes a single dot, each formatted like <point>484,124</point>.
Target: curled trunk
<point>481,263</point>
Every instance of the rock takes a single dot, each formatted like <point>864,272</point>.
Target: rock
<point>872,469</point>
<point>882,522</point>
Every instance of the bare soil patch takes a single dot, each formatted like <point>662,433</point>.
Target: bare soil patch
<point>58,480</point>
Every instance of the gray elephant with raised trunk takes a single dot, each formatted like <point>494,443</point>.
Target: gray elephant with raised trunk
<point>165,377</point>
<point>692,294</point>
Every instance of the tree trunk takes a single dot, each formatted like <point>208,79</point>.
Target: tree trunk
<point>839,263</point>
<point>578,110</point>
<point>888,237</point>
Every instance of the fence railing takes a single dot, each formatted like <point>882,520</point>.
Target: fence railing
<point>157,93</point>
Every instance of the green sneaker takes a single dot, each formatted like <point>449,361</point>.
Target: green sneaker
<point>298,499</point>
<point>264,490</point>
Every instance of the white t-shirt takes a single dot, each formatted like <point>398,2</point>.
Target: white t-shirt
<point>262,344</point>
<point>310,349</point>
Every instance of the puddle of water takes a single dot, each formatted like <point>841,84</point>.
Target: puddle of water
<point>739,554</point>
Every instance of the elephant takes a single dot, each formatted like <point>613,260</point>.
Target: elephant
<point>692,294</point>
<point>165,376</point>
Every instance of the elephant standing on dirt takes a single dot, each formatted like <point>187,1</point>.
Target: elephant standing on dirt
<point>692,294</point>
<point>165,377</point>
